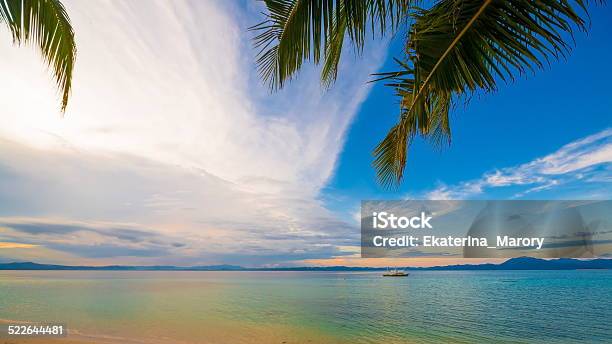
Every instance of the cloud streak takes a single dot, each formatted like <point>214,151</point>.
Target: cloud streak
<point>171,150</point>
<point>586,160</point>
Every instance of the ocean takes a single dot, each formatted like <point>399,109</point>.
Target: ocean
<point>315,307</point>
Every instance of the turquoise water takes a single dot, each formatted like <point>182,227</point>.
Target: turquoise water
<point>310,307</point>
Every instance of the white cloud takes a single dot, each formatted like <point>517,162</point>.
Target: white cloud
<point>589,151</point>
<point>168,126</point>
<point>584,160</point>
<point>155,79</point>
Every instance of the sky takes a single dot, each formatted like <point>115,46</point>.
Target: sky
<point>172,151</point>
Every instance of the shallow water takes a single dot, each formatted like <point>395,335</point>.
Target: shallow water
<point>313,307</point>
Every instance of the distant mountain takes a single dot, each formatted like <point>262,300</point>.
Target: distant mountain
<point>528,263</point>
<point>36,266</point>
<point>521,263</point>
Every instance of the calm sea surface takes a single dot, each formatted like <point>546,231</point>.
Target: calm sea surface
<point>311,307</point>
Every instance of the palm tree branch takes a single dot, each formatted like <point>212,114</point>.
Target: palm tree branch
<point>296,31</point>
<point>46,24</point>
<point>448,50</point>
<point>458,47</point>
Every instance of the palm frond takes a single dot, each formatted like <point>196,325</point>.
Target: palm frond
<point>296,31</point>
<point>459,47</point>
<point>46,24</point>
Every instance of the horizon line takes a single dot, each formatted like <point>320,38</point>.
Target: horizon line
<point>230,267</point>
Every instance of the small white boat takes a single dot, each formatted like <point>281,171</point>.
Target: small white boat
<point>395,273</point>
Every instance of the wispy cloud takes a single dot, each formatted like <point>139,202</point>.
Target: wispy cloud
<point>169,130</point>
<point>586,160</point>
<point>162,84</point>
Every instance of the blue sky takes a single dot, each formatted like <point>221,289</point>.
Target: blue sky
<point>173,152</point>
<point>530,118</point>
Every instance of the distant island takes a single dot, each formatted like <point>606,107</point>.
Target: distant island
<point>521,263</point>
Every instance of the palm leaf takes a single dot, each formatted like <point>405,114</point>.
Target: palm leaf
<point>296,31</point>
<point>459,47</point>
<point>46,24</point>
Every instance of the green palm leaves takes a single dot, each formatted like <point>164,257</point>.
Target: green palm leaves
<point>46,24</point>
<point>458,47</point>
<point>453,48</point>
<point>299,30</point>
